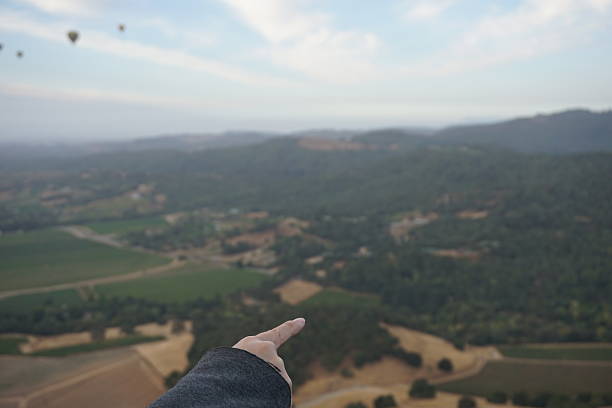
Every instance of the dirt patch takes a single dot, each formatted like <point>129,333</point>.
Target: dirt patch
<point>367,395</point>
<point>472,215</point>
<point>257,239</point>
<point>291,226</point>
<point>311,143</point>
<point>400,229</point>
<point>257,215</point>
<point>168,355</point>
<point>21,375</point>
<point>431,348</point>
<point>129,383</point>
<point>387,372</point>
<point>313,260</point>
<point>459,253</point>
<point>297,290</point>
<point>364,394</point>
<point>38,343</point>
<point>172,219</point>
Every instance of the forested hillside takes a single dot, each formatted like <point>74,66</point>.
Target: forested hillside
<point>474,243</point>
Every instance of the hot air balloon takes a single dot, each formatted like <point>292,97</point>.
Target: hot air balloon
<point>73,36</point>
<point>1,46</point>
<point>19,54</point>
<point>121,27</point>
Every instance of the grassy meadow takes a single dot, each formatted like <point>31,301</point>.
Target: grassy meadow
<point>563,352</point>
<point>186,283</point>
<point>335,297</point>
<point>48,257</point>
<point>517,376</point>
<point>10,345</point>
<point>29,303</point>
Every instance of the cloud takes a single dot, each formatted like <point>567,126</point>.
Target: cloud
<point>305,41</point>
<point>189,37</point>
<point>425,9</point>
<point>533,28</point>
<point>68,7</point>
<point>89,95</point>
<point>101,42</point>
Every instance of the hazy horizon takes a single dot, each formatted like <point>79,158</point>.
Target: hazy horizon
<point>277,65</point>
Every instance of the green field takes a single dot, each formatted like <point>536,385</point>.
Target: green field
<point>125,226</point>
<point>96,346</point>
<point>187,283</point>
<point>558,353</point>
<point>516,376</point>
<point>333,297</point>
<point>29,303</point>
<point>10,345</point>
<point>48,257</point>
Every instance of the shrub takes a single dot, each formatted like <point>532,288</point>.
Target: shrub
<point>445,365</point>
<point>385,401</point>
<point>466,402</point>
<point>498,397</point>
<point>520,398</point>
<point>422,389</point>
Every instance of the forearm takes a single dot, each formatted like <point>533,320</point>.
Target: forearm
<point>228,378</point>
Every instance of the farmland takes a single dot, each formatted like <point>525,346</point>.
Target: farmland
<point>334,297</point>
<point>583,352</point>
<point>29,303</point>
<point>10,345</point>
<point>518,376</point>
<point>125,226</point>
<point>95,346</point>
<point>48,257</point>
<point>187,283</point>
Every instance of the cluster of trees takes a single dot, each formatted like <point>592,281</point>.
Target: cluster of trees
<point>189,232</point>
<point>421,388</point>
<point>98,314</point>
<point>237,248</point>
<point>349,332</point>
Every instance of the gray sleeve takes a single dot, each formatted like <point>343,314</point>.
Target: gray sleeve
<point>226,377</point>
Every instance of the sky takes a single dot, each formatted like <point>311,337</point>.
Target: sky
<point>282,65</point>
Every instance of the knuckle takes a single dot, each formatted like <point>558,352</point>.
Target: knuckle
<point>264,345</point>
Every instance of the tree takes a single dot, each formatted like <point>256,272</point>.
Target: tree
<point>98,333</point>
<point>422,389</point>
<point>520,398</point>
<point>128,328</point>
<point>498,397</point>
<point>445,365</point>
<point>385,401</point>
<point>466,402</point>
<point>178,326</point>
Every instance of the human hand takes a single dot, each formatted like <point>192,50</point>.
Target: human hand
<point>265,345</point>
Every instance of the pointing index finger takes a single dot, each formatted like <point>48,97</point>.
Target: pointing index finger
<point>280,334</point>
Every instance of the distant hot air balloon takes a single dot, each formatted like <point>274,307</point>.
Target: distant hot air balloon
<point>19,54</point>
<point>1,46</point>
<point>121,27</point>
<point>73,36</point>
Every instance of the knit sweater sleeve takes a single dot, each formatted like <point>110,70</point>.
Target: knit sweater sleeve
<point>227,377</point>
